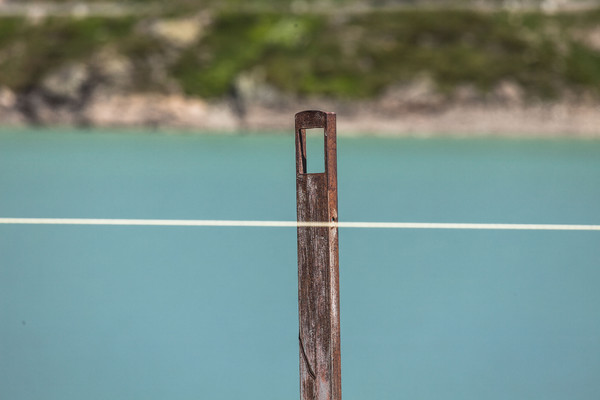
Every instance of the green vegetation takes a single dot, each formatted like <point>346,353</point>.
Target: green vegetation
<point>348,55</point>
<point>29,51</point>
<point>360,55</point>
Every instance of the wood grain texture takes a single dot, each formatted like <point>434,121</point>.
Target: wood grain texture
<point>318,265</point>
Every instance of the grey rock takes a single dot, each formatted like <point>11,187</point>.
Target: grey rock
<point>111,70</point>
<point>67,83</point>
<point>8,99</point>
<point>466,94</point>
<point>180,32</point>
<point>418,94</point>
<point>508,92</point>
<point>252,87</point>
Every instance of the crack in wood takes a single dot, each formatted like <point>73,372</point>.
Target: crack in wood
<point>310,370</point>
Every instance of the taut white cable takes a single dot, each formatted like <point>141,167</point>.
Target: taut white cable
<point>281,224</point>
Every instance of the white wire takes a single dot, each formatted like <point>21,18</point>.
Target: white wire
<point>282,224</point>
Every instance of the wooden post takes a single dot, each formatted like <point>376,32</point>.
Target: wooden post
<point>318,264</point>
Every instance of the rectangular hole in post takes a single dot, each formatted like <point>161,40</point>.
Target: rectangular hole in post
<point>315,151</point>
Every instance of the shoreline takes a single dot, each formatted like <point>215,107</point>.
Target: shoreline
<point>367,118</point>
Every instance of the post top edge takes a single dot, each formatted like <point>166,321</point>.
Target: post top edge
<point>314,119</point>
<point>308,112</point>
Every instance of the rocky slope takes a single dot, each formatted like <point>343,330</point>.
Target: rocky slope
<point>400,72</point>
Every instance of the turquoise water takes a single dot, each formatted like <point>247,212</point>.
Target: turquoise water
<point>211,313</point>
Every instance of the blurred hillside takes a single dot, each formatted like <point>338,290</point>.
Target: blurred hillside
<point>326,3</point>
<point>227,65</point>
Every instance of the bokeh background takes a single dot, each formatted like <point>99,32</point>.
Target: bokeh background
<point>521,67</point>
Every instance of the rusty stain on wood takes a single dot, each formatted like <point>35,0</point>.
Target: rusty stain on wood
<point>318,264</point>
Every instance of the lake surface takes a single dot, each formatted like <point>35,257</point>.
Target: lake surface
<point>211,313</point>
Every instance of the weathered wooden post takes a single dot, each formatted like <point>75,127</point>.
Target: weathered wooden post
<point>318,264</point>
